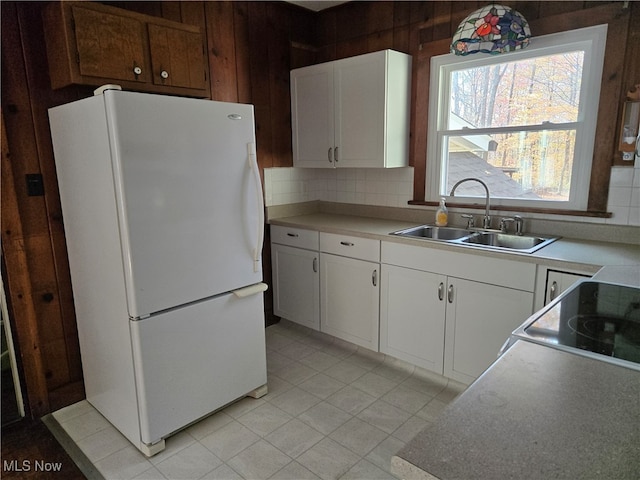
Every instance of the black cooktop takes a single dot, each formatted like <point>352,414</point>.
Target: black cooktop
<point>600,318</point>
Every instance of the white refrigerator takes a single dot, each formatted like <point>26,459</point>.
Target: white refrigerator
<point>163,215</point>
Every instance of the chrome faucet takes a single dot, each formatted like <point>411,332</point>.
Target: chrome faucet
<point>486,222</point>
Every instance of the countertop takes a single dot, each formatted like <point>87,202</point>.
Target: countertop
<point>536,413</point>
<point>586,255</point>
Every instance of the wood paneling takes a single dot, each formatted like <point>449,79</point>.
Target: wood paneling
<point>18,284</point>
<point>222,55</point>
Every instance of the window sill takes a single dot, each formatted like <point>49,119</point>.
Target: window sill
<point>506,208</point>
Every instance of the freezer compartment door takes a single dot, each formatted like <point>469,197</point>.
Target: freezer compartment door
<point>191,361</point>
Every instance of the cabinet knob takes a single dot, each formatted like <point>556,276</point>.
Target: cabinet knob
<point>164,74</point>
<point>137,71</point>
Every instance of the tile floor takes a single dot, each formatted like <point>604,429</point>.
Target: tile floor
<point>333,411</point>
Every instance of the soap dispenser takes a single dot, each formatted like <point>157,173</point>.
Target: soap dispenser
<point>442,214</point>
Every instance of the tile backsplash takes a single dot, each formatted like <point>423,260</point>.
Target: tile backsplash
<point>391,187</point>
<point>394,188</point>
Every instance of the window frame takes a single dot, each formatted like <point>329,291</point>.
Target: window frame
<point>592,40</point>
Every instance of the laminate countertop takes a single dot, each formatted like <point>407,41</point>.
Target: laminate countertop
<point>536,413</point>
<point>586,255</point>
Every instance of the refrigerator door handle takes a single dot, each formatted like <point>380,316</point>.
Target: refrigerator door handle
<point>253,164</point>
<point>250,290</point>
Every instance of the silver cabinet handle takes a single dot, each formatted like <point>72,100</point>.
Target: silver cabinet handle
<point>329,155</point>
<point>441,291</point>
<point>553,291</point>
<point>450,294</point>
<point>335,154</point>
<point>347,244</point>
<point>374,278</point>
<point>164,74</point>
<point>295,235</point>
<point>137,71</point>
<point>315,264</point>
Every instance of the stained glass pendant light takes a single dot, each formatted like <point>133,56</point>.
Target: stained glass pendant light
<point>492,29</point>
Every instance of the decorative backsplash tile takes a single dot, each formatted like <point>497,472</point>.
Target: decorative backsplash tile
<point>624,196</point>
<point>393,187</point>
<point>367,186</point>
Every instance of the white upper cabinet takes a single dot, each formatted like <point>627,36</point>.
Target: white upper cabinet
<point>352,112</point>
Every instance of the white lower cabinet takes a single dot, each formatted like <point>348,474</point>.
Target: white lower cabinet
<point>552,282</point>
<point>445,311</point>
<point>479,319</point>
<point>296,276</point>
<point>454,326</point>
<point>350,289</point>
<point>412,316</point>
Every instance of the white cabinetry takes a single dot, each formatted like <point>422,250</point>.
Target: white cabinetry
<point>296,277</point>
<point>479,319</point>
<point>450,312</point>
<point>349,288</point>
<point>352,112</point>
<point>552,282</point>
<point>412,316</point>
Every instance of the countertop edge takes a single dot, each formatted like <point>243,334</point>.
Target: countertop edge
<point>563,253</point>
<point>401,468</point>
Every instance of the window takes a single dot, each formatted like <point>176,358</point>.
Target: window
<point>523,122</point>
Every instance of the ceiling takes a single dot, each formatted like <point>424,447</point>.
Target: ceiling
<point>315,5</point>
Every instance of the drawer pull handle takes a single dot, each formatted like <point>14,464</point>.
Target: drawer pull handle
<point>441,291</point>
<point>315,264</point>
<point>374,278</point>
<point>347,244</point>
<point>329,155</point>
<point>450,294</point>
<point>294,235</point>
<point>553,293</point>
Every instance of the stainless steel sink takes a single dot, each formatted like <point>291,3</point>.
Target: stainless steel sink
<point>521,243</point>
<point>434,233</point>
<point>484,239</point>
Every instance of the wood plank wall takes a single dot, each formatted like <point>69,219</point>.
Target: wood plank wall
<point>251,47</point>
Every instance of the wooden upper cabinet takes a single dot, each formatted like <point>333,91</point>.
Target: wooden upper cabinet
<point>110,45</point>
<point>176,57</point>
<point>93,44</point>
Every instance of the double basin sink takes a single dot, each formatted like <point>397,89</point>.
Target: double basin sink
<point>487,239</point>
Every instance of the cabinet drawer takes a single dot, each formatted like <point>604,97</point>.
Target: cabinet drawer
<point>295,237</point>
<point>348,246</point>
